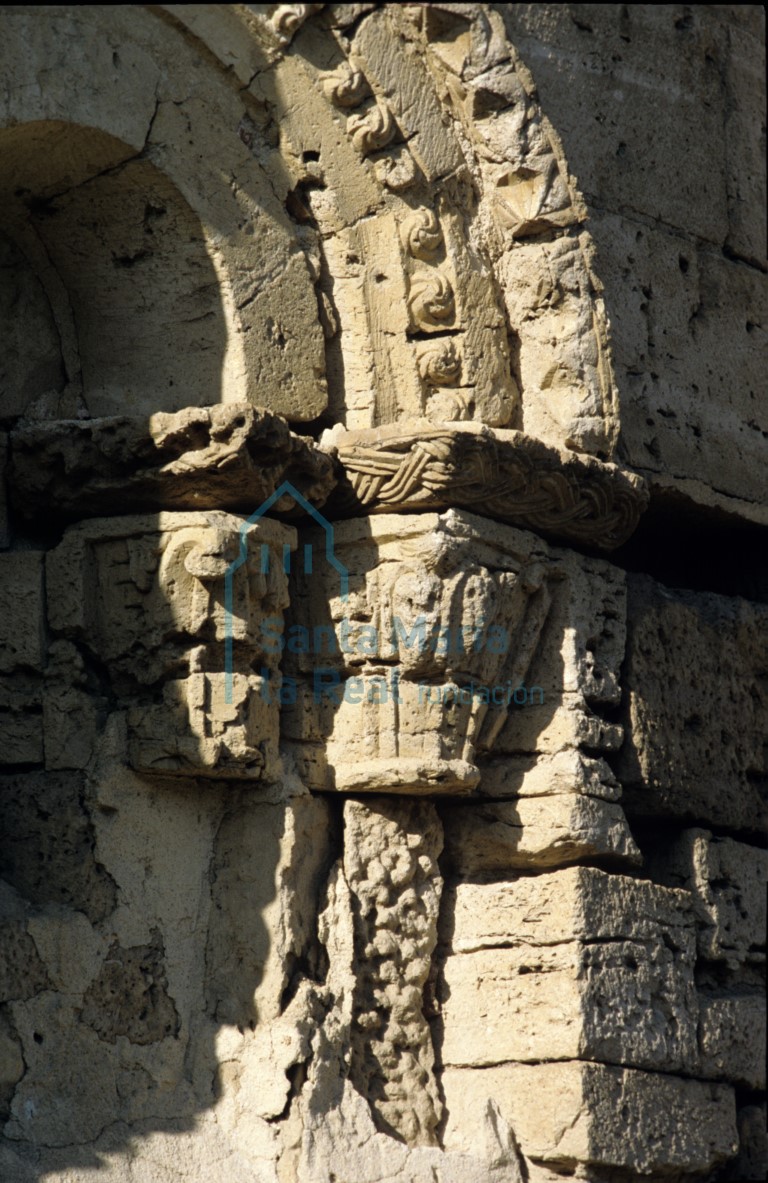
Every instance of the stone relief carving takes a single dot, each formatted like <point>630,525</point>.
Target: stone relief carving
<point>460,226</point>
<point>231,456</point>
<point>145,597</point>
<point>390,863</point>
<point>438,630</point>
<point>512,477</point>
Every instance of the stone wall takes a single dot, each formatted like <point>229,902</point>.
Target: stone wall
<point>382,761</point>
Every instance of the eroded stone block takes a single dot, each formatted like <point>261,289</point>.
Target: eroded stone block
<point>22,611</point>
<point>588,1114</point>
<point>695,684</point>
<point>542,832</point>
<point>230,456</point>
<point>727,880</point>
<point>522,988</point>
<point>732,1039</point>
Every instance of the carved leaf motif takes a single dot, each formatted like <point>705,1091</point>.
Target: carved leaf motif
<point>440,363</point>
<point>349,90</point>
<point>287,19</point>
<point>373,130</point>
<point>432,301</point>
<point>397,173</point>
<point>422,234</point>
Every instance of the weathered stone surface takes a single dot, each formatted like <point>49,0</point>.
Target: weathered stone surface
<point>732,1033</point>
<point>577,903</point>
<point>679,333</point>
<point>160,624</point>
<point>48,851</point>
<point>74,708</point>
<point>622,992</point>
<point>362,217</point>
<point>751,1164</point>
<point>21,723</point>
<point>232,456</point>
<point>129,996</point>
<point>22,972</point>
<point>586,1114</point>
<point>695,707</point>
<point>542,832</point>
<point>727,881</point>
<point>4,533</point>
<point>509,476</point>
<point>22,644</point>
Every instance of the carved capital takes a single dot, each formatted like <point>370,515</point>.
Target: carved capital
<point>169,609</point>
<point>437,625</point>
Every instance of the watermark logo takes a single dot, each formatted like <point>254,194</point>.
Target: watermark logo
<point>265,559</point>
<point>348,637</point>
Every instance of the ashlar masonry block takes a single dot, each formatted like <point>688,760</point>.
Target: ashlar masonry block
<point>577,964</point>
<point>573,1115</point>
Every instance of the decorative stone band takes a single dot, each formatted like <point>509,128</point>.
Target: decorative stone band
<point>231,456</point>
<point>502,474</point>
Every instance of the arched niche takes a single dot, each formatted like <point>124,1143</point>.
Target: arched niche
<point>112,301</point>
<point>146,210</point>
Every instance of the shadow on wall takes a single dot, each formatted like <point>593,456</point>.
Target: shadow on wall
<point>105,269</point>
<point>139,914</point>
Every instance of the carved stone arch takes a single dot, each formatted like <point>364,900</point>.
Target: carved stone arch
<point>155,230</point>
<point>451,235</point>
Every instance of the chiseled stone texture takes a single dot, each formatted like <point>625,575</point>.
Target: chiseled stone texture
<point>573,964</point>
<point>695,705</point>
<point>727,881</point>
<point>677,217</point>
<point>585,1114</point>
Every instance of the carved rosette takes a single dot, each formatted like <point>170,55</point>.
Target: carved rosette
<point>422,235</point>
<point>287,19</point>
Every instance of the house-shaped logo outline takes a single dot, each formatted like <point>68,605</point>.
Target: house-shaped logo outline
<point>285,487</point>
